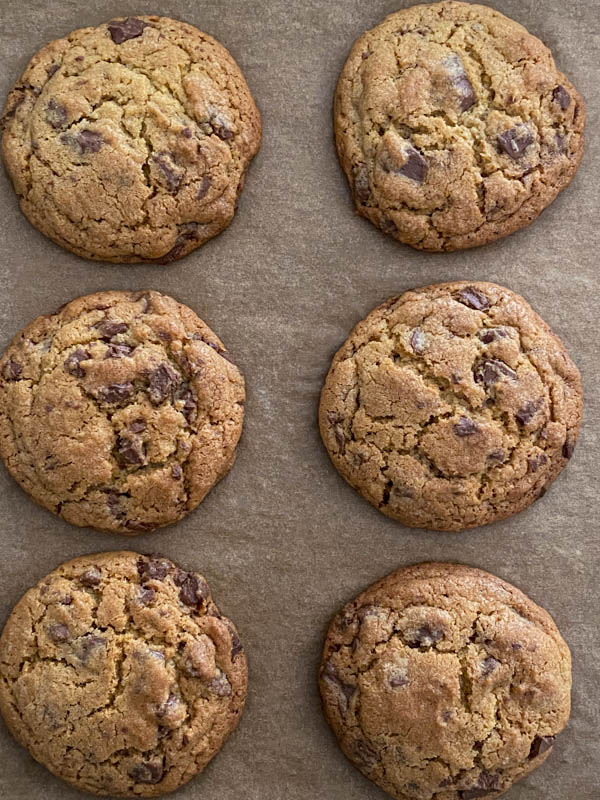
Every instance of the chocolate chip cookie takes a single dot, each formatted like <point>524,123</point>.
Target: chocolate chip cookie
<point>121,411</point>
<point>130,141</point>
<point>442,681</point>
<point>454,126</point>
<point>119,674</point>
<point>451,406</point>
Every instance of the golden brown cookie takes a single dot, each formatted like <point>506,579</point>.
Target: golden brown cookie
<point>454,126</point>
<point>121,411</point>
<point>119,674</point>
<point>443,682</point>
<point>130,141</point>
<point>451,406</point>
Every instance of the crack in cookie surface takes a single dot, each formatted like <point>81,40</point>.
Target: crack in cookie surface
<point>121,411</point>
<point>441,682</point>
<point>451,406</point>
<point>454,126</point>
<point>134,150</point>
<point>120,675</point>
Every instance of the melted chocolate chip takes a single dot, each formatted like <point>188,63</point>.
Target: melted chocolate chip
<point>146,595</point>
<point>129,453</point>
<point>491,371</point>
<point>221,125</point>
<point>415,168</point>
<point>488,335</point>
<point>465,427</point>
<point>470,296</point>
<point>236,646</point>
<point>108,328</point>
<point>59,633</point>
<point>156,568</point>
<point>562,97</point>
<point>345,690</point>
<point>541,744</point>
<point>56,114</point>
<point>85,141</point>
<point>515,141</point>
<point>190,407</point>
<point>193,591</point>
<point>130,28</point>
<point>398,679</point>
<point>426,636</point>
<point>488,665</point>
<point>137,426</point>
<point>73,362</point>
<point>187,232</point>
<point>88,644</point>
<point>52,69</point>
<point>418,341</point>
<point>362,189</point>
<point>91,577</point>
<point>161,383</point>
<point>205,185</point>
<point>486,785</point>
<point>12,370</point>
<point>173,177</point>
<point>461,82</point>
<point>176,471</point>
<point>498,455</point>
<point>147,772</point>
<point>525,414</point>
<point>118,350</point>
<point>568,448</point>
<point>537,461</point>
<point>139,527</point>
<point>116,393</point>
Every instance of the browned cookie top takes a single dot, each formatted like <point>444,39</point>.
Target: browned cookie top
<point>454,126</point>
<point>119,674</point>
<point>129,142</point>
<point>451,406</point>
<point>121,411</point>
<point>443,682</point>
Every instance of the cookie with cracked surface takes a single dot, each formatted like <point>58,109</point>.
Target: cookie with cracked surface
<point>444,682</point>
<point>454,126</point>
<point>129,142</point>
<point>119,674</point>
<point>121,411</point>
<point>451,406</point>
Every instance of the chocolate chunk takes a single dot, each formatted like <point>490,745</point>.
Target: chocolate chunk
<point>129,453</point>
<point>146,595</point>
<point>117,393</point>
<point>176,471</point>
<point>113,500</point>
<point>187,132</point>
<point>137,426</point>
<point>491,371</point>
<point>526,414</point>
<point>220,686</point>
<point>166,163</point>
<point>426,636</point>
<point>461,82</point>
<point>130,28</point>
<point>488,665</point>
<point>156,568</point>
<point>188,231</point>
<point>87,645</point>
<point>236,646</point>
<point>515,141</point>
<point>205,185</point>
<point>362,189</point>
<point>469,296</point>
<point>91,577</point>
<point>193,591</point>
<point>487,784</point>
<point>12,370</point>
<point>108,328</point>
<point>568,448</point>
<point>562,97</point>
<point>56,114</point>
<point>488,335</point>
<point>498,455</point>
<point>418,341</point>
<point>415,167</point>
<point>541,744</point>
<point>465,427</point>
<point>52,69</point>
<point>221,125</point>
<point>118,350</point>
<point>73,362</point>
<point>160,383</point>
<point>85,141</point>
<point>147,771</point>
<point>537,461</point>
<point>190,407</point>
<point>398,679</point>
<point>59,633</point>
<point>345,690</point>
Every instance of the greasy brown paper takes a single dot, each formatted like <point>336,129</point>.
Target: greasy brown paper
<point>283,540</point>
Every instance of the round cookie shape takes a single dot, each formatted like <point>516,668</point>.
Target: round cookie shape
<point>443,682</point>
<point>451,406</point>
<point>129,142</point>
<point>121,411</point>
<point>454,126</point>
<point>119,674</point>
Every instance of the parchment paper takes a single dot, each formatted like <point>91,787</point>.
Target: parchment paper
<point>283,541</point>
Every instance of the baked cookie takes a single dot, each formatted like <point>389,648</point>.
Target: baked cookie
<point>121,411</point>
<point>119,674</point>
<point>442,681</point>
<point>454,126</point>
<point>130,141</point>
<point>451,406</point>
